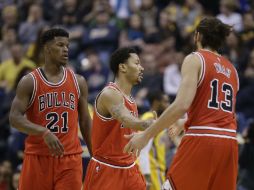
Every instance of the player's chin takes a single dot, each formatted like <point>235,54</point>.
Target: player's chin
<point>139,80</point>
<point>64,63</point>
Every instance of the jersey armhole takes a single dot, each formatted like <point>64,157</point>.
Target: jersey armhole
<point>237,78</point>
<point>35,86</point>
<point>95,105</point>
<point>202,73</point>
<point>75,82</point>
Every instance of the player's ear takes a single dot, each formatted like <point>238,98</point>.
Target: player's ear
<point>122,67</point>
<point>46,49</point>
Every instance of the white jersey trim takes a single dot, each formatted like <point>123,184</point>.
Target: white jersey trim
<point>96,111</point>
<point>75,82</point>
<point>51,83</point>
<point>167,185</point>
<point>237,78</point>
<point>113,166</point>
<point>210,135</point>
<point>212,128</point>
<point>202,73</point>
<point>31,101</point>
<point>129,99</point>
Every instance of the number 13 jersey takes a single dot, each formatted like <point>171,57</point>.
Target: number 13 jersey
<point>214,103</point>
<point>54,106</point>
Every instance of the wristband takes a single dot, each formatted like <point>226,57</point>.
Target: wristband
<point>45,133</point>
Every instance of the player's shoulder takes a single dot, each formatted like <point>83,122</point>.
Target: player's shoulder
<point>110,91</point>
<point>193,57</point>
<point>110,94</point>
<point>26,83</point>
<point>27,79</point>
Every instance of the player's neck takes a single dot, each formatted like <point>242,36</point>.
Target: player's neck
<point>52,69</point>
<point>211,50</point>
<point>123,86</point>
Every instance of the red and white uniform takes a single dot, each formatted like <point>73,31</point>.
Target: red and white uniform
<point>55,106</point>
<point>207,156</point>
<point>110,167</point>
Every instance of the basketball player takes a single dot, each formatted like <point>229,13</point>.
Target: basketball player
<point>50,104</point>
<point>207,157</point>
<point>115,115</point>
<point>152,159</point>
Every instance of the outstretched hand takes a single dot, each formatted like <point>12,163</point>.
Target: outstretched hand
<point>136,143</point>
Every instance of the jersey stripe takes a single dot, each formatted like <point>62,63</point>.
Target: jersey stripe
<point>213,128</point>
<point>34,90</point>
<point>238,83</point>
<point>103,118</point>
<point>202,61</point>
<point>75,82</point>
<point>114,166</point>
<point>210,135</point>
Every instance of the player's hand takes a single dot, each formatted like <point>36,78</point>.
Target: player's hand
<point>174,131</point>
<point>136,143</point>
<point>155,116</point>
<point>55,146</point>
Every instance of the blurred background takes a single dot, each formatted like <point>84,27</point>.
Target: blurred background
<point>161,31</point>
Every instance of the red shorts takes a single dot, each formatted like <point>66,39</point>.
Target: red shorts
<point>203,163</point>
<point>47,173</point>
<point>104,177</point>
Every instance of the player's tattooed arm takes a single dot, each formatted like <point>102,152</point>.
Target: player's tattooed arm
<point>113,102</point>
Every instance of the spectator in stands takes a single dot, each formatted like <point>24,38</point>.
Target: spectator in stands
<point>10,69</point>
<point>9,37</point>
<point>172,76</point>
<point>245,100</point>
<point>28,29</point>
<point>149,13</point>
<point>188,16</point>
<point>133,35</point>
<point>95,73</point>
<point>235,52</point>
<point>5,174</point>
<point>68,18</point>
<point>246,174</point>
<point>35,50</point>
<point>10,17</point>
<point>15,180</point>
<point>152,159</point>
<point>247,34</point>
<point>102,36</point>
<point>228,15</point>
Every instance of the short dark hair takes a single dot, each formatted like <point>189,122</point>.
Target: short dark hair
<point>121,55</point>
<point>50,34</point>
<point>214,32</point>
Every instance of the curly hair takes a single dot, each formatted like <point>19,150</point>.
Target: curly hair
<point>50,34</point>
<point>120,56</point>
<point>214,32</point>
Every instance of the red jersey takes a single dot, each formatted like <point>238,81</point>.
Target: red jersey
<point>213,108</point>
<point>108,135</point>
<point>55,106</point>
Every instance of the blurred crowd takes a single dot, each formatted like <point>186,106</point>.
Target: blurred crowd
<point>161,31</point>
